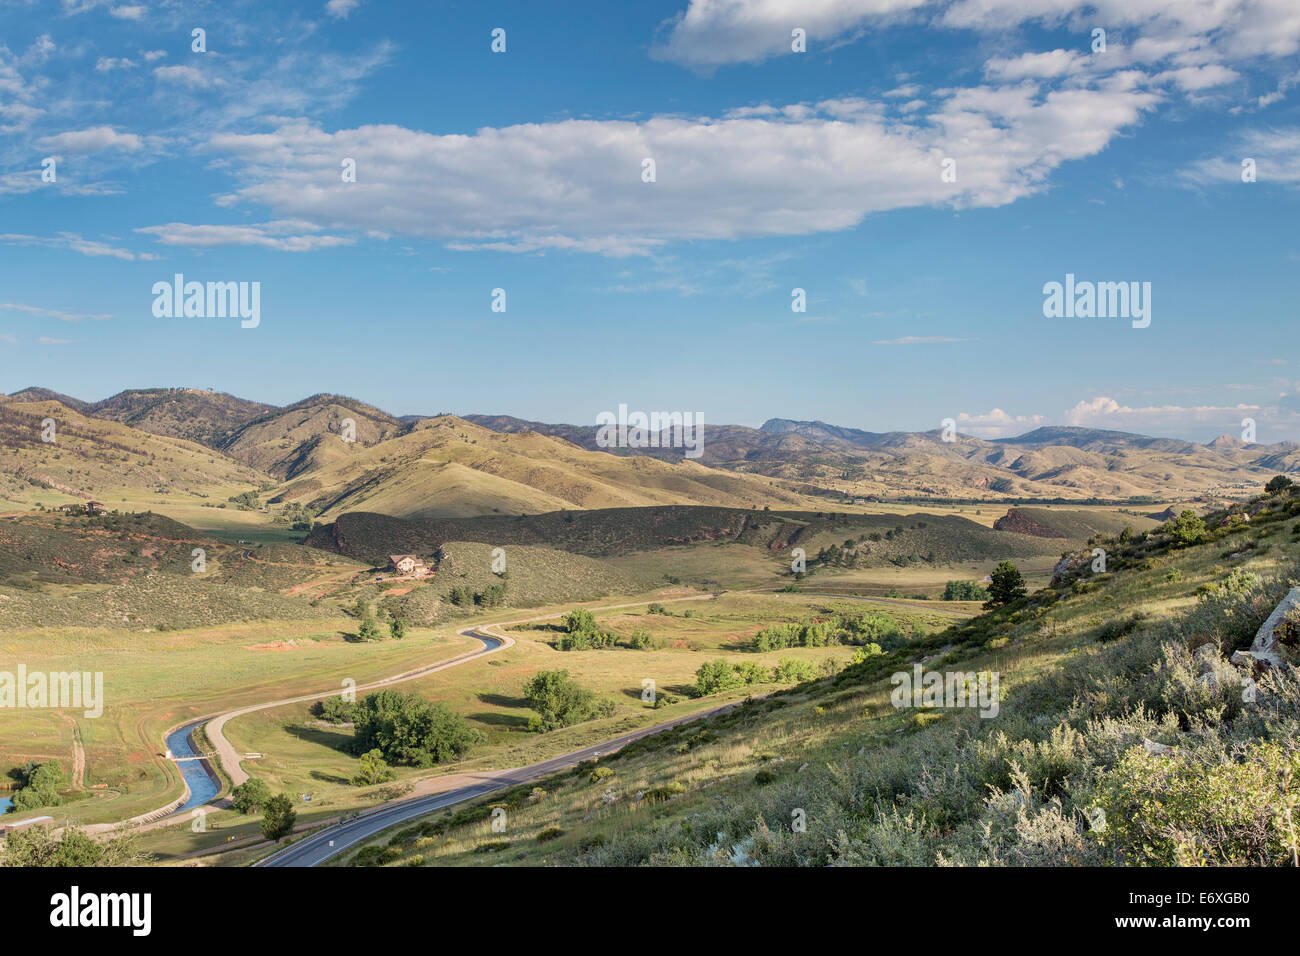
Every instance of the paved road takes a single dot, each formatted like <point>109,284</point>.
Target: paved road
<point>332,840</point>
<point>230,758</point>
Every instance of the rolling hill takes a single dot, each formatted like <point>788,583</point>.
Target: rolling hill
<point>445,466</point>
<point>93,458</point>
<point>193,414</point>
<point>286,442</point>
<point>448,467</point>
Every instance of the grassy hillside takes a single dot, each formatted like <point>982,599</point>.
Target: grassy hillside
<point>138,572</point>
<point>712,546</point>
<point>92,458</point>
<point>1070,463</point>
<point>285,442</point>
<point>447,467</point>
<point>1122,736</point>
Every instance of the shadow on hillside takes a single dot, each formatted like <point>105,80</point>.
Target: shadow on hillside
<point>510,721</point>
<point>333,739</point>
<point>328,777</point>
<point>501,700</point>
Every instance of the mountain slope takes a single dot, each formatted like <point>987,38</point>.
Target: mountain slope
<point>285,442</point>
<point>193,414</point>
<point>92,458</point>
<point>449,467</point>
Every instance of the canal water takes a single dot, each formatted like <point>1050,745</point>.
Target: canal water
<point>203,785</point>
<point>5,804</point>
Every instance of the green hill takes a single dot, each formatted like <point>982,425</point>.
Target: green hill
<point>1122,735</point>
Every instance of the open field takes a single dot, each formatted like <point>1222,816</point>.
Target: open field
<point>153,682</point>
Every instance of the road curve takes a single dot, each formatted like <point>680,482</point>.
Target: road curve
<point>230,758</point>
<point>332,840</point>
<point>490,634</point>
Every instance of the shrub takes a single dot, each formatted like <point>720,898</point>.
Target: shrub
<point>1176,811</point>
<point>561,702</point>
<point>714,677</point>
<point>336,710</point>
<point>664,793</point>
<point>40,786</point>
<point>407,729</point>
<point>550,833</point>
<point>791,670</point>
<point>1187,529</point>
<point>374,769</point>
<point>250,796</point>
<point>964,591</point>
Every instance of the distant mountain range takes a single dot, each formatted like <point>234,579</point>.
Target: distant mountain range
<point>448,466</point>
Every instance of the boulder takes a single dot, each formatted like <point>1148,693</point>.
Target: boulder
<point>1154,749</point>
<point>1277,642</point>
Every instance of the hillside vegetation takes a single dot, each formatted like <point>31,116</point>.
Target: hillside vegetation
<point>1122,736</point>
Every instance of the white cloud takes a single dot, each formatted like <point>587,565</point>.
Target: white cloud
<point>271,235</point>
<point>1037,65</point>
<point>1276,153</point>
<point>714,32</point>
<point>1196,78</point>
<point>59,314</point>
<point>339,9</point>
<point>576,184</point>
<point>91,140</point>
<point>128,11</point>
<point>997,423</point>
<point>106,64</point>
<point>187,76</point>
<point>1105,412</point>
<point>710,33</point>
<point>75,243</point>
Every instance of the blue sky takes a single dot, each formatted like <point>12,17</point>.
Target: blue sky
<point>774,170</point>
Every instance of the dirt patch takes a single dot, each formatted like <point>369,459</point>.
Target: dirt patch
<point>291,645</point>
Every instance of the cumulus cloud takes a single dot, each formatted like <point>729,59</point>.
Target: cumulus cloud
<point>1037,65</point>
<point>1105,412</point>
<point>710,33</point>
<point>997,424</point>
<point>577,184</point>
